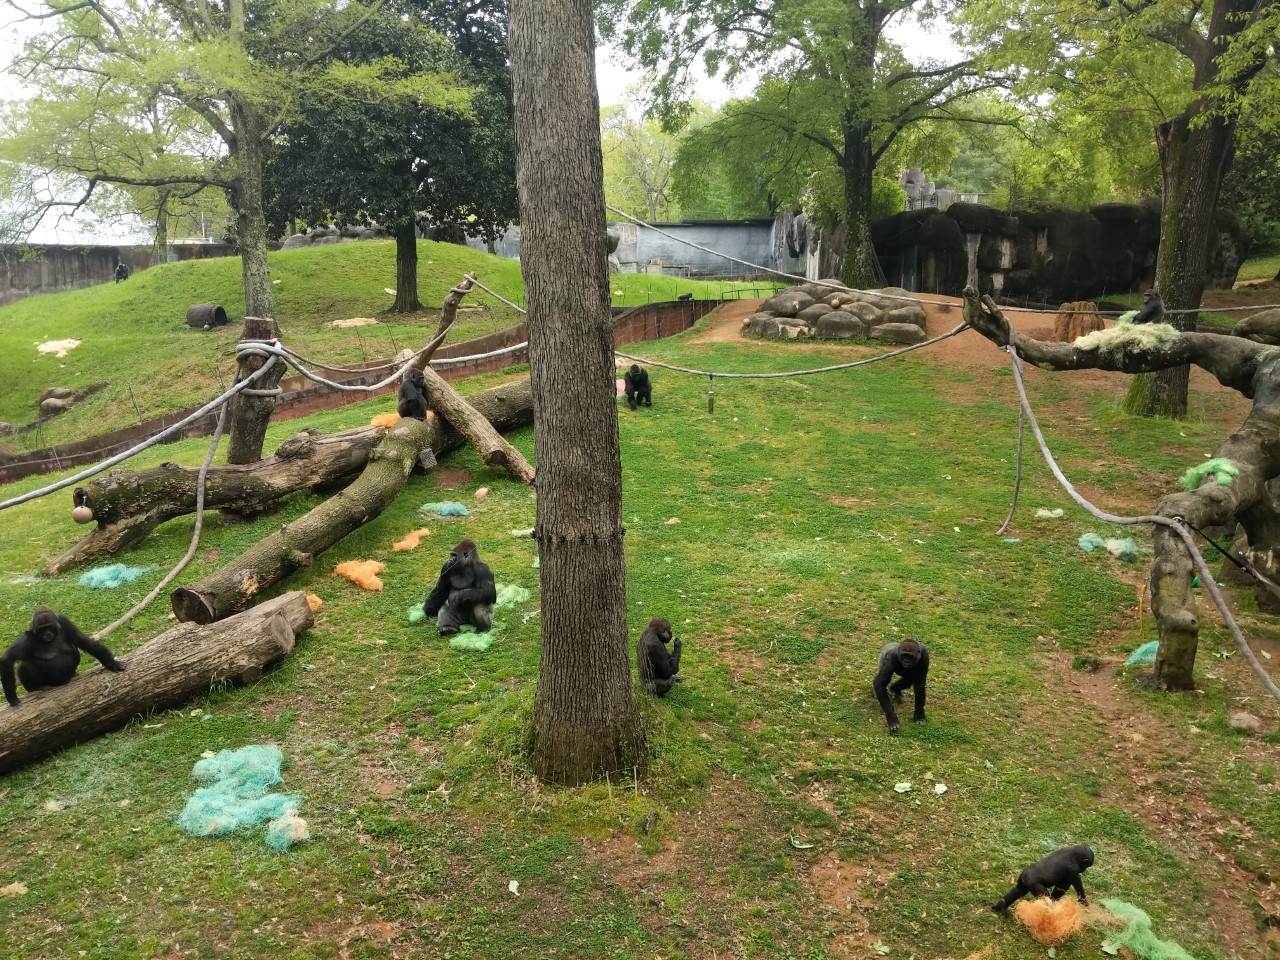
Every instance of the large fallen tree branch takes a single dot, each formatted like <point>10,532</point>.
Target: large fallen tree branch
<point>1254,450</point>
<point>164,672</point>
<point>128,505</point>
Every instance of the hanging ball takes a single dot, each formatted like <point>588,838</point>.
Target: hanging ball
<point>82,514</point>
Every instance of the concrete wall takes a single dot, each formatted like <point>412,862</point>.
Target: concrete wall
<point>26,270</point>
<point>303,397</point>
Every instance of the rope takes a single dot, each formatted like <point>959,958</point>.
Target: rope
<point>889,296</point>
<point>1177,525</point>
<point>195,534</point>
<point>1017,475</point>
<point>1244,565</point>
<point>798,373</point>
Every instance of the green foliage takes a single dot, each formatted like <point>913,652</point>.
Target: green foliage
<point>1250,187</point>
<point>639,160</point>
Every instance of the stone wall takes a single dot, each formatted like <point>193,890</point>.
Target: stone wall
<point>303,397</point>
<point>1049,256</point>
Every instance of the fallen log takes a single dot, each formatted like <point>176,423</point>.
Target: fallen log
<point>469,421</point>
<point>164,672</point>
<point>129,505</point>
<point>232,588</point>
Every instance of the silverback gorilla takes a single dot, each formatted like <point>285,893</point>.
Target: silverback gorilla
<point>657,667</point>
<point>910,661</point>
<point>47,654</point>
<point>465,592</point>
<point>638,389</point>
<point>1056,872</point>
<point>412,401</point>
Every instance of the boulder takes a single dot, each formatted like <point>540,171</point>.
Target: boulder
<point>1263,327</point>
<point>838,325</point>
<point>898,333</point>
<point>910,313</point>
<point>866,312</point>
<point>297,240</point>
<point>7,428</point>
<point>760,325</point>
<point>888,298</point>
<point>52,407</point>
<point>788,303</point>
<point>839,299</point>
<point>812,313</point>
<point>789,329</point>
<point>819,291</point>
<point>1244,721</point>
<point>57,393</point>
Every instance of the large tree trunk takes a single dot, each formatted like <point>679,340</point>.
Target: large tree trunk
<point>860,268</point>
<point>1253,449</point>
<point>128,505</point>
<point>406,269</point>
<point>181,663</point>
<point>251,412</point>
<point>585,720</point>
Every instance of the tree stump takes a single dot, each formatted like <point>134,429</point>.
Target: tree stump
<point>1077,318</point>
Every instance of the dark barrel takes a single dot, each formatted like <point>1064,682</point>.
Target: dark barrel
<point>202,316</point>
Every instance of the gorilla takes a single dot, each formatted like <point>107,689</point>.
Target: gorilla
<point>1152,309</point>
<point>638,390</point>
<point>910,661</point>
<point>47,654</point>
<point>413,401</point>
<point>465,592</point>
<point>122,272</point>
<point>1056,872</point>
<point>658,668</point>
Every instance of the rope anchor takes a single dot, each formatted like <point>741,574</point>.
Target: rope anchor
<point>711,394</point>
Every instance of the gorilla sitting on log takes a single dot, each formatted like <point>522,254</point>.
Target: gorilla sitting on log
<point>638,389</point>
<point>658,668</point>
<point>413,399</point>
<point>1152,309</point>
<point>910,661</point>
<point>48,653</point>
<point>465,592</point>
<point>1056,872</point>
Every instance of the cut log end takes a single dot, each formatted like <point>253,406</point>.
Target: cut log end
<point>193,606</point>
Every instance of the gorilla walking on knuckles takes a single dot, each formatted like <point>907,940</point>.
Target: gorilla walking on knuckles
<point>638,389</point>
<point>658,668</point>
<point>465,592</point>
<point>1056,872</point>
<point>910,661</point>
<point>47,654</point>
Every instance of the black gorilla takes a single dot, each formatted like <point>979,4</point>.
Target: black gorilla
<point>122,272</point>
<point>1056,872</point>
<point>636,382</point>
<point>910,661</point>
<point>47,654</point>
<point>465,592</point>
<point>658,668</point>
<point>1152,309</point>
<point>413,399</point>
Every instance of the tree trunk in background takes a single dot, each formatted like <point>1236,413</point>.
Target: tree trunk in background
<point>585,720</point>
<point>1194,161</point>
<point>406,269</point>
<point>159,247</point>
<point>251,221</point>
<point>250,415</point>
<point>860,268</point>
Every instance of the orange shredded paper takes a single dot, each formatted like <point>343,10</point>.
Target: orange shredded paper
<point>363,573</point>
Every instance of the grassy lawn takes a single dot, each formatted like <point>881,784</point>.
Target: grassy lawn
<point>1260,268</point>
<point>818,519</point>
<point>134,335</point>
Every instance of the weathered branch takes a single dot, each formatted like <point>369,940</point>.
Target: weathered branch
<point>493,449</point>
<point>165,672</point>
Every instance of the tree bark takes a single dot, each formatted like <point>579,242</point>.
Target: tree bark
<point>860,269</point>
<point>128,505</point>
<point>467,420</point>
<point>585,720</point>
<point>165,672</point>
<point>406,269</point>
<point>1236,363</point>
<point>251,414</point>
<point>233,587</point>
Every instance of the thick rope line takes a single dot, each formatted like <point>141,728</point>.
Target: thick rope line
<point>891,296</point>
<point>798,373</point>
<point>151,441</point>
<point>1197,558</point>
<point>1017,475</point>
<point>195,534</point>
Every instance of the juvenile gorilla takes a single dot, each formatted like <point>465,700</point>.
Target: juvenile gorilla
<point>1056,872</point>
<point>910,661</point>
<point>1152,309</point>
<point>657,667</point>
<point>465,592</point>
<point>413,399</point>
<point>47,654</point>
<point>636,383</point>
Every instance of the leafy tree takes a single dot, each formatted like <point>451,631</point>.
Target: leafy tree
<point>1191,67</point>
<point>834,85</point>
<point>585,720</point>
<point>720,171</point>
<point>394,158</point>
<point>1251,187</point>
<point>639,158</point>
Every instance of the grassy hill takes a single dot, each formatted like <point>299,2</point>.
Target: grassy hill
<point>134,336</point>
<point>819,518</point>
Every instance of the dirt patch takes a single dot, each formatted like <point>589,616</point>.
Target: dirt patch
<point>450,478</point>
<point>1253,294</point>
<point>724,323</point>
